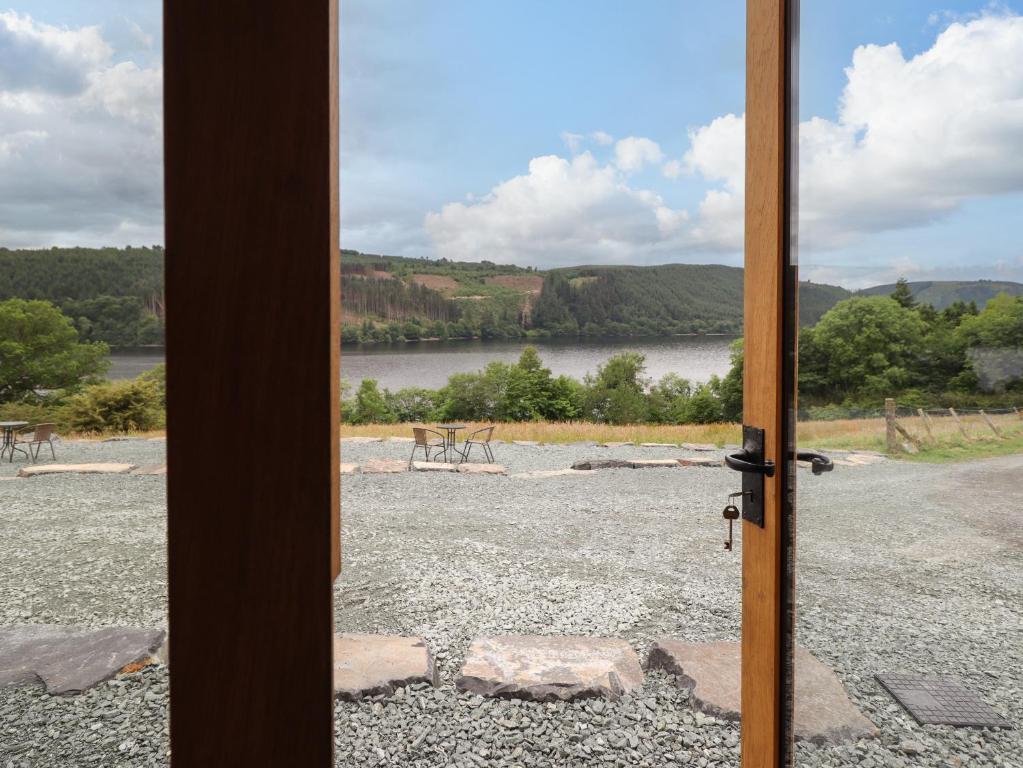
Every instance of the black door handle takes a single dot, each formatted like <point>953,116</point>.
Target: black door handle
<point>819,463</point>
<point>743,462</point>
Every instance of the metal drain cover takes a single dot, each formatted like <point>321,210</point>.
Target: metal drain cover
<point>941,701</point>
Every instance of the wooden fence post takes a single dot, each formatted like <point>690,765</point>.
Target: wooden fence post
<point>959,424</point>
<point>991,424</point>
<point>1016,411</point>
<point>891,438</point>
<point>927,425</point>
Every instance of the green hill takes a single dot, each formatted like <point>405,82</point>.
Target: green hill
<point>943,293</point>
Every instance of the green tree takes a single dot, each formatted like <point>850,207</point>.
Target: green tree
<point>729,388</point>
<point>370,406</point>
<point>903,294</point>
<point>999,324</point>
<point>39,349</point>
<point>863,347</point>
<point>616,394</point>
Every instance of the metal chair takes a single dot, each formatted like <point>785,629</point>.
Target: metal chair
<point>428,444</point>
<point>41,434</point>
<point>482,438</point>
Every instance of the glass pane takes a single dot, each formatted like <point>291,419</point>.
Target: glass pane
<point>908,554</point>
<point>83,675</point>
<point>542,223</point>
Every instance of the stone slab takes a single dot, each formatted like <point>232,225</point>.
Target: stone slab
<point>362,440</point>
<point>371,665</point>
<point>700,461</point>
<point>653,463</point>
<point>525,442</point>
<point>540,474</point>
<point>432,466</point>
<point>658,445</point>
<point>150,469</point>
<point>384,467</point>
<point>469,468</point>
<point>699,446</point>
<point>71,659</point>
<point>615,445</point>
<point>824,713</point>
<point>349,469</point>
<point>588,464</point>
<point>81,469</point>
<point>540,668</point>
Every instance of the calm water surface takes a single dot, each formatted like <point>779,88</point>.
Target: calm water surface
<point>429,363</point>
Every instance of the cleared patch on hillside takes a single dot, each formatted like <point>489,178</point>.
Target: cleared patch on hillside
<point>441,283</point>
<point>578,282</point>
<point>522,283</point>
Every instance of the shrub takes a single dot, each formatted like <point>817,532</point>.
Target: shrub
<point>370,407</point>
<point>116,406</point>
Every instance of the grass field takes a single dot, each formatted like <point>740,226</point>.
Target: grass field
<point>948,444</point>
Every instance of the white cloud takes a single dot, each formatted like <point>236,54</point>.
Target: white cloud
<point>635,152</point>
<point>80,139</point>
<point>672,169</point>
<point>573,141</point>
<point>914,139</point>
<point>602,138</point>
<point>561,211</point>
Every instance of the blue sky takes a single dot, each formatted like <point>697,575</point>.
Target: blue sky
<point>553,133</point>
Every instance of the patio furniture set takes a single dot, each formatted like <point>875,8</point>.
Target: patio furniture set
<point>27,439</point>
<point>434,443</point>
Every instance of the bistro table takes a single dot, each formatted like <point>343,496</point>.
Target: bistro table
<point>451,429</point>
<point>9,428</point>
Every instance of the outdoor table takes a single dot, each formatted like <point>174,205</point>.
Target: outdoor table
<point>451,430</point>
<point>9,428</point>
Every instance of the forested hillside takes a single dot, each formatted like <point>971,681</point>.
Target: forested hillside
<point>113,295</point>
<point>942,294</point>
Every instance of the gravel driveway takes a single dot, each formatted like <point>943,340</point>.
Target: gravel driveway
<point>902,567</point>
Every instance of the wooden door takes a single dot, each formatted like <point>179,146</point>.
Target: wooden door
<point>770,329</point>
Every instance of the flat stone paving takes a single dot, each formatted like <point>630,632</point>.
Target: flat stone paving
<point>371,665</point>
<point>36,470</point>
<point>824,713</point>
<point>71,659</point>
<point>549,668</point>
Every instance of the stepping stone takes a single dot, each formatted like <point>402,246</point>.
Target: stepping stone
<point>432,466</point>
<point>699,446</point>
<point>615,445</point>
<point>525,442</point>
<point>362,439</point>
<point>71,659</point>
<point>349,469</point>
<point>550,668</point>
<point>384,467</point>
<point>658,445</point>
<point>151,469</point>
<point>587,464</point>
<point>824,713</point>
<point>81,469</point>
<point>371,665</point>
<point>543,473</point>
<point>653,463</point>
<point>700,461</point>
<point>482,469</point>
<point>863,458</point>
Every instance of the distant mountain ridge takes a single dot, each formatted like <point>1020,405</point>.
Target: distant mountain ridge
<point>943,293</point>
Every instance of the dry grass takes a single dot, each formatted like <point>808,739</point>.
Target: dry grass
<point>523,283</point>
<point>443,283</point>
<point>859,434</point>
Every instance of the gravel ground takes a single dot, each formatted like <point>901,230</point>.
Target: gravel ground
<point>903,567</point>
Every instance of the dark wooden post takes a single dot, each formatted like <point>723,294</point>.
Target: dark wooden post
<point>891,438</point>
<point>252,307</point>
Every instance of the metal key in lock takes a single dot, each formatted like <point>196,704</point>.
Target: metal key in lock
<point>731,513</point>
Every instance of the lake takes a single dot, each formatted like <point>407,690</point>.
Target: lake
<point>429,363</point>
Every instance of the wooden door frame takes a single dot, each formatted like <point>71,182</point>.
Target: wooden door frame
<point>251,183</point>
<point>769,377</point>
<point>251,167</point>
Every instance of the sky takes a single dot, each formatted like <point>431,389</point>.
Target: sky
<point>572,132</point>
